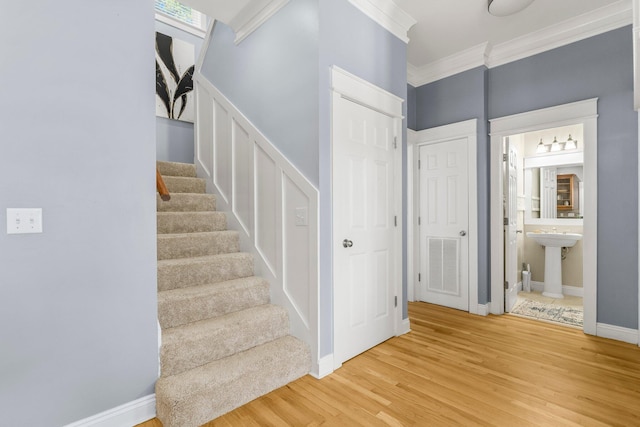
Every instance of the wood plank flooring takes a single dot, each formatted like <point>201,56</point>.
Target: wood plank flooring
<point>454,368</point>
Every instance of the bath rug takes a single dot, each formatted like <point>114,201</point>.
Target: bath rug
<point>572,316</point>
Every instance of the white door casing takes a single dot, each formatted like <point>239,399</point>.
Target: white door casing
<point>511,225</point>
<point>581,112</point>
<point>366,185</point>
<point>444,224</point>
<point>463,130</point>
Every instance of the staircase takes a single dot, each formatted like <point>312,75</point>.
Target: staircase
<point>223,343</point>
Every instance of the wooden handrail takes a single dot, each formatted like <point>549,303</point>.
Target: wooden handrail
<point>161,187</point>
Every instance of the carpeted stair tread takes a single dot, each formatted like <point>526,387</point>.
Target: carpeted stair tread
<point>186,305</point>
<point>190,222</point>
<point>182,184</point>
<point>195,344</point>
<point>176,169</point>
<point>182,273</point>
<point>185,245</point>
<point>187,202</point>
<point>197,396</point>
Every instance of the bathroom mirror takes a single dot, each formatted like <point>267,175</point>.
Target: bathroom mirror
<point>553,189</point>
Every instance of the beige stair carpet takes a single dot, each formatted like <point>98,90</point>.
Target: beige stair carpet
<point>223,343</point>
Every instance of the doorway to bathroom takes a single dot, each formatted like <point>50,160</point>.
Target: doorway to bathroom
<point>544,210</point>
<point>543,214</point>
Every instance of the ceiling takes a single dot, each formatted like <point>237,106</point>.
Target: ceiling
<point>446,27</point>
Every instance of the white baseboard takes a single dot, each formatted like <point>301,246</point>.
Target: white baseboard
<point>404,327</point>
<point>324,368</point>
<point>129,414</point>
<point>481,310</point>
<point>573,291</point>
<point>617,333</point>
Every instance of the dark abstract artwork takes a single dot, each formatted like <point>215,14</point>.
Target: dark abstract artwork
<point>174,78</point>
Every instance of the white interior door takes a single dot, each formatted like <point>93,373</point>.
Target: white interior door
<point>363,221</point>
<point>510,226</point>
<point>444,224</point>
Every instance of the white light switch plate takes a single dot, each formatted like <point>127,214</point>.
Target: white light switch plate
<point>302,216</point>
<point>24,220</point>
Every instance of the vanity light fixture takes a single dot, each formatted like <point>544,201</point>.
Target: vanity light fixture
<point>570,144</point>
<point>541,148</point>
<point>507,7</point>
<point>555,145</point>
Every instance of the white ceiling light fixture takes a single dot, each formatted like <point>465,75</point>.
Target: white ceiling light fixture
<point>507,7</point>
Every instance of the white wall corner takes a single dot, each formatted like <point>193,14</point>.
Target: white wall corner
<point>253,16</point>
<point>129,414</point>
<point>324,367</point>
<point>617,333</point>
<point>388,15</point>
<point>467,59</point>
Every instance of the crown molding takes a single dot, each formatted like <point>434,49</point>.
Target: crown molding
<point>388,14</point>
<point>581,27</point>
<point>599,21</point>
<point>467,59</point>
<point>253,16</point>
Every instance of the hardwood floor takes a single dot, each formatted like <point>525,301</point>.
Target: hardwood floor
<point>454,368</point>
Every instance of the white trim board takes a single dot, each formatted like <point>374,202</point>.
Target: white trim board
<point>253,16</point>
<point>573,291</point>
<point>324,367</point>
<point>468,130</point>
<point>404,328</point>
<point>129,414</point>
<point>617,333</point>
<point>388,15</point>
<point>584,112</point>
<point>599,21</point>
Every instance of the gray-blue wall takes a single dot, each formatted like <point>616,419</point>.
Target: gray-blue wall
<point>279,77</point>
<point>272,78</point>
<point>455,99</point>
<point>602,67</point>
<point>174,138</point>
<point>78,308</point>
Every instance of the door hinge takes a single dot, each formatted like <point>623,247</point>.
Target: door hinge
<point>418,163</point>
<point>506,284</point>
<point>505,221</point>
<point>395,301</point>
<point>504,157</point>
<point>395,142</point>
<point>419,277</point>
<point>395,221</point>
<point>419,221</point>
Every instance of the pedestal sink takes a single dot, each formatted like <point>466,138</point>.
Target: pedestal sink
<point>553,242</point>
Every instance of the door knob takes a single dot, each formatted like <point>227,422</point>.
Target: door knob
<point>463,233</point>
<point>347,243</point>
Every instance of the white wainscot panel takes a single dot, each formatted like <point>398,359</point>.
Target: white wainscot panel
<point>298,241</point>
<point>222,151</point>
<point>265,195</point>
<point>204,151</point>
<point>242,176</point>
<point>266,214</point>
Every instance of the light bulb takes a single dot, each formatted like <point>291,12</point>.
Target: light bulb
<point>571,144</point>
